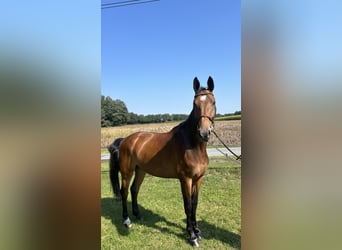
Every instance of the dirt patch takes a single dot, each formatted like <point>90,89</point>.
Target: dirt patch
<point>229,132</point>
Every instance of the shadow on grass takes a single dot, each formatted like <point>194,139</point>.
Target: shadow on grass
<point>210,231</point>
<point>111,209</point>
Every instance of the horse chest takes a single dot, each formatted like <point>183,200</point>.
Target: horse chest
<point>196,163</point>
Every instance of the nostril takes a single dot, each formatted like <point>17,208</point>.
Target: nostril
<point>207,137</point>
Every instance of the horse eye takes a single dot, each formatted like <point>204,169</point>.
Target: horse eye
<point>214,103</point>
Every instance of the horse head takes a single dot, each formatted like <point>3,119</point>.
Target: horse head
<point>204,108</point>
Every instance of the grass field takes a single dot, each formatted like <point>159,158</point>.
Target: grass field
<point>161,205</point>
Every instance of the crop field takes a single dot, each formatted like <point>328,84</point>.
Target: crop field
<point>229,131</point>
<point>161,205</point>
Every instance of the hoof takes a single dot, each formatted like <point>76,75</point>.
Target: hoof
<point>198,233</point>
<point>194,242</point>
<point>127,223</point>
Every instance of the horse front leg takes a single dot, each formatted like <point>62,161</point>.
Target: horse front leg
<point>194,200</point>
<point>186,185</point>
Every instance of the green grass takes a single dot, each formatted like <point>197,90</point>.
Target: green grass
<point>228,118</point>
<point>104,151</point>
<point>161,205</point>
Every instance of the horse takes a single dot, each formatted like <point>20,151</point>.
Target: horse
<point>180,154</point>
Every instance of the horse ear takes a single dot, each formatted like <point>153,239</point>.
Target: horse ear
<point>210,83</point>
<point>196,84</point>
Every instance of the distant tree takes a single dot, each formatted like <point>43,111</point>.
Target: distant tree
<point>103,119</point>
<point>178,117</point>
<point>141,119</point>
<point>166,117</point>
<point>120,114</point>
<point>132,118</point>
<point>113,112</point>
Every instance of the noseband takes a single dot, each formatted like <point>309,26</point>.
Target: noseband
<point>208,117</point>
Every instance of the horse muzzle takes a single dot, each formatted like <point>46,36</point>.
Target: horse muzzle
<point>205,136</point>
<point>205,127</point>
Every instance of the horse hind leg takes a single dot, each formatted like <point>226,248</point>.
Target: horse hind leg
<point>125,180</point>
<point>138,179</point>
<point>124,194</point>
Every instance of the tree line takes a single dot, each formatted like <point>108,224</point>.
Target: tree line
<point>115,113</point>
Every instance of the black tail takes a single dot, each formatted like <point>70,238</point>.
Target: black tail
<point>114,166</point>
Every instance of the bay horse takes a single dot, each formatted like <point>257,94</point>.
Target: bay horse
<point>180,153</point>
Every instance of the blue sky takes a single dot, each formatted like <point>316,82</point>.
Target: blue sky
<point>151,52</point>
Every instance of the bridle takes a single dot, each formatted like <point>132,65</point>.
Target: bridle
<point>208,93</point>
<point>211,119</point>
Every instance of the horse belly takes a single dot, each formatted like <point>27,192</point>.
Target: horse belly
<point>159,169</point>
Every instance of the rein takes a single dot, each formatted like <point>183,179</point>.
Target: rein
<point>237,157</point>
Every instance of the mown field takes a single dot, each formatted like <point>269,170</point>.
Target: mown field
<point>228,118</point>
<point>161,204</point>
<point>229,131</point>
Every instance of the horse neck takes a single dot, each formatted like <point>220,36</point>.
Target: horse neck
<point>191,125</point>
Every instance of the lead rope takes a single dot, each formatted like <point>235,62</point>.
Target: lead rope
<point>237,157</point>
